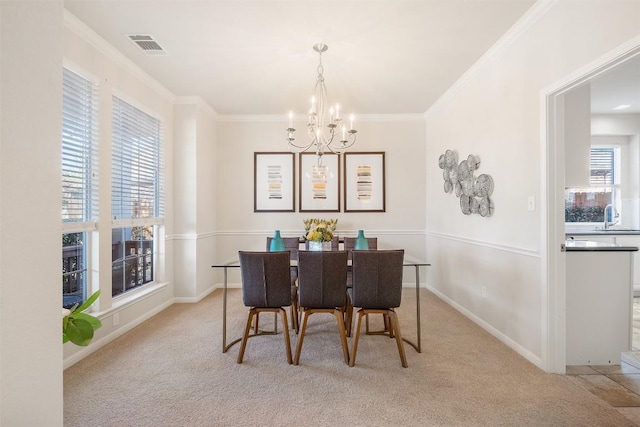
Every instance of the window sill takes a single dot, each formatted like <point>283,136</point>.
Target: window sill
<point>130,298</point>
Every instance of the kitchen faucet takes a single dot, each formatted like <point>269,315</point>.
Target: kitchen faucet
<point>614,215</point>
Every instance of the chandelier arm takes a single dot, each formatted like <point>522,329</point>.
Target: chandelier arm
<point>323,139</point>
<point>300,148</point>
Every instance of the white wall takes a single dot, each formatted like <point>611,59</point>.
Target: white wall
<point>495,112</point>
<point>402,138</point>
<point>30,226</point>
<point>196,202</point>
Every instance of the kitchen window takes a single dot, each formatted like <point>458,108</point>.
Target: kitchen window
<point>587,205</point>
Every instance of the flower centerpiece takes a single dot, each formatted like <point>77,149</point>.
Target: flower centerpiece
<point>319,232</point>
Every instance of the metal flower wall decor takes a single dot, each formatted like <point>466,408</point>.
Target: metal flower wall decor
<point>474,192</point>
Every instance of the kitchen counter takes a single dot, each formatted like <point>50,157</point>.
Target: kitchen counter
<point>610,232</point>
<point>588,245</point>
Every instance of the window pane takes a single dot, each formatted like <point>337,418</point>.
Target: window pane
<point>586,205</point>
<point>79,149</point>
<point>74,270</point>
<point>602,165</point>
<point>137,190</point>
<point>132,258</point>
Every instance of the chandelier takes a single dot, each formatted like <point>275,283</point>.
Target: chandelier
<point>327,131</point>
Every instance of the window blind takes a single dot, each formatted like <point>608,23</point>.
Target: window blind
<point>79,150</point>
<point>602,165</point>
<point>137,166</point>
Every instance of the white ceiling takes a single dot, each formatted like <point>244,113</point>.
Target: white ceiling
<point>256,57</point>
<point>620,85</point>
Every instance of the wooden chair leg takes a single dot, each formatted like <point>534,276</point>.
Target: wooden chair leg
<point>305,317</point>
<point>387,325</point>
<point>287,340</point>
<point>348,317</point>
<point>255,327</point>
<point>354,348</point>
<point>247,329</point>
<point>295,320</point>
<point>343,334</point>
<point>395,326</point>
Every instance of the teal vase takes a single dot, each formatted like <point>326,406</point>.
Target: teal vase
<point>277,244</point>
<point>361,243</point>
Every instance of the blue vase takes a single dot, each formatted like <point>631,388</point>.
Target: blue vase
<point>361,243</point>
<point>277,244</point>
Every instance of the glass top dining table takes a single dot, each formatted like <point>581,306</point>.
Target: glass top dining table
<point>236,264</point>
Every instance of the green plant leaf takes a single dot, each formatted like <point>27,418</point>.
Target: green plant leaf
<point>79,332</point>
<point>93,321</point>
<point>87,303</point>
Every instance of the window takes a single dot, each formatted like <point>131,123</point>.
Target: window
<point>79,183</point>
<point>137,195</point>
<point>586,205</point>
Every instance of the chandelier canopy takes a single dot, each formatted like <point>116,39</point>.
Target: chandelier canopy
<point>327,131</point>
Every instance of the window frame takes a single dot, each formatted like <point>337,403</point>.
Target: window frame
<point>157,217</point>
<point>79,145</point>
<point>614,186</point>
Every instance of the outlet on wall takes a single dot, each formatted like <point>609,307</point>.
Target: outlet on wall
<point>483,292</point>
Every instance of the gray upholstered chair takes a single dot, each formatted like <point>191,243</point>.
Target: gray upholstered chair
<point>292,245</point>
<point>377,289</point>
<point>322,277</point>
<point>349,243</point>
<point>266,287</point>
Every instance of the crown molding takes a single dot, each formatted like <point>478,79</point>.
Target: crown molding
<point>530,17</point>
<point>301,117</point>
<point>87,34</point>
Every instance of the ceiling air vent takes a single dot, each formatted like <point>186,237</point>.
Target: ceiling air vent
<point>147,44</point>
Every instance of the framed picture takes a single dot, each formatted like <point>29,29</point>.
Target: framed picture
<point>319,183</point>
<point>364,182</point>
<point>273,183</point>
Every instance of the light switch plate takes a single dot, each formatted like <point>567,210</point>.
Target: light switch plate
<point>531,203</point>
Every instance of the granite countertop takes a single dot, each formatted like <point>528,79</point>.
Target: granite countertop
<point>588,246</point>
<point>611,231</point>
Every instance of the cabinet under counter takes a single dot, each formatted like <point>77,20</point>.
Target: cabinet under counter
<point>599,302</point>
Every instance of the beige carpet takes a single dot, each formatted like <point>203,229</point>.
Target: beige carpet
<point>170,371</point>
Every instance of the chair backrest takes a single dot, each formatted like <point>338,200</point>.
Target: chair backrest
<point>322,279</point>
<point>377,278</point>
<point>266,279</point>
<point>335,244</point>
<point>291,244</point>
<point>349,243</point>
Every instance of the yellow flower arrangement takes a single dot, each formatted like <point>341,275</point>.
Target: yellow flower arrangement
<point>319,230</point>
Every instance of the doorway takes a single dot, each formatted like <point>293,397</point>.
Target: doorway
<point>553,190</point>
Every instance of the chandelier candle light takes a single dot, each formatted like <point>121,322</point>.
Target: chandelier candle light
<point>326,133</point>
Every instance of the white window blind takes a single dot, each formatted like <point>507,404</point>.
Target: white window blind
<point>137,165</point>
<point>79,151</point>
<point>603,170</point>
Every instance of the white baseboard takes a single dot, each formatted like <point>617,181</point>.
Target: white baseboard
<point>493,331</point>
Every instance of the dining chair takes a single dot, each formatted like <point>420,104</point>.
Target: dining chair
<point>349,243</point>
<point>266,287</point>
<point>322,279</point>
<point>377,289</point>
<point>292,245</point>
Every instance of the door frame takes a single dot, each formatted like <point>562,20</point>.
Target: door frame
<point>553,226</point>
